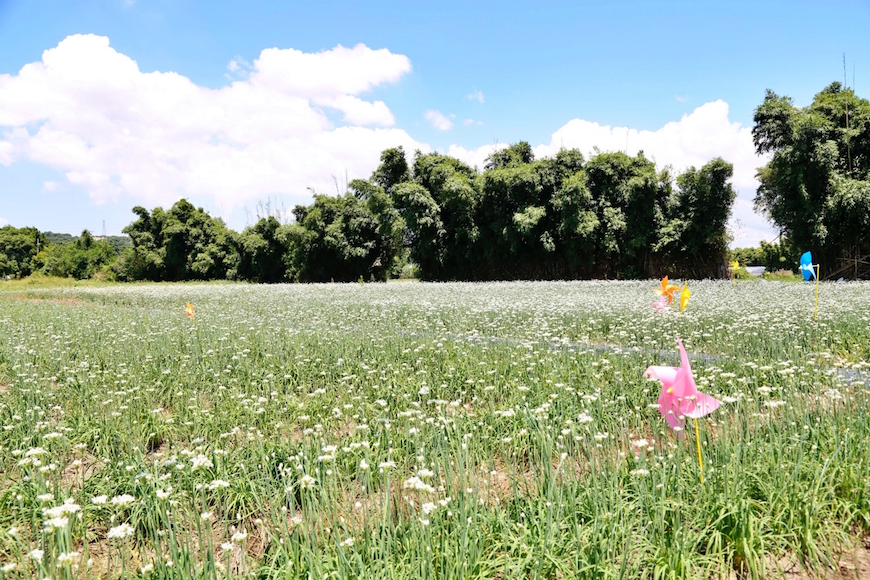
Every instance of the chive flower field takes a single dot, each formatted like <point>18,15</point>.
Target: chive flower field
<point>426,431</point>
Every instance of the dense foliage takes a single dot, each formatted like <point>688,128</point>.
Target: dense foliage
<point>17,249</point>
<point>613,216</point>
<point>81,258</point>
<point>559,217</point>
<point>184,243</point>
<point>816,186</point>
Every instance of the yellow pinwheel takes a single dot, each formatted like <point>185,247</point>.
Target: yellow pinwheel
<point>684,297</point>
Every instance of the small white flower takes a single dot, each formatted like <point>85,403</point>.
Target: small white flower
<point>363,465</point>
<point>67,558</point>
<point>200,461</point>
<point>36,554</point>
<point>120,500</point>
<point>428,508</point>
<point>240,536</point>
<point>640,472</point>
<point>417,484</point>
<point>205,516</point>
<point>146,569</point>
<point>8,567</point>
<point>55,524</point>
<point>161,494</point>
<point>120,532</point>
<point>306,481</point>
<point>347,543</point>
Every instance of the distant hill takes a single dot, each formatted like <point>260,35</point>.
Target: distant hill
<point>117,242</point>
<point>56,238</point>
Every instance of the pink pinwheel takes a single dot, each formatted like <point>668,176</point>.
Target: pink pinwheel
<point>680,396</point>
<point>660,305</point>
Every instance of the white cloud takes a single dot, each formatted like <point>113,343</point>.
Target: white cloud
<point>692,141</point>
<point>89,112</point>
<point>475,96</point>
<point>359,112</point>
<point>50,186</point>
<point>6,151</point>
<point>239,67</point>
<point>474,157</point>
<point>681,98</point>
<point>748,227</point>
<point>438,120</point>
<point>340,71</point>
<point>3,222</point>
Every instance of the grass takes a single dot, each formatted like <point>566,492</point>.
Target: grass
<point>428,431</point>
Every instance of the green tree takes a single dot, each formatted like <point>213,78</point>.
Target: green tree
<point>184,243</point>
<point>17,250</point>
<point>393,169</point>
<point>345,238</point>
<point>629,196</point>
<point>694,237</point>
<point>263,252</point>
<point>439,208</point>
<point>816,186</point>
<point>81,258</point>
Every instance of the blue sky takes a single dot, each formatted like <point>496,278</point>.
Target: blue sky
<point>678,79</point>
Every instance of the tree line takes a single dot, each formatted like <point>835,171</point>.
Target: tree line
<point>613,216</point>
<point>562,217</point>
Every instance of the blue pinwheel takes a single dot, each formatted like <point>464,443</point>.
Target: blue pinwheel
<point>808,269</point>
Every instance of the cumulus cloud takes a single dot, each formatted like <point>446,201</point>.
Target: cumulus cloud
<point>6,150</point>
<point>692,141</point>
<point>474,157</point>
<point>438,120</point>
<point>89,112</point>
<point>475,96</point>
<point>50,186</point>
